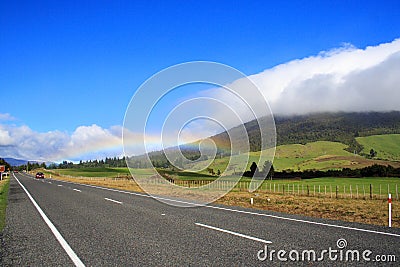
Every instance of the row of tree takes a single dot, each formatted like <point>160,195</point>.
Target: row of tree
<point>107,162</point>
<point>370,171</point>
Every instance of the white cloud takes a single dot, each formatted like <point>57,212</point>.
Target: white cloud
<point>86,142</point>
<point>5,138</point>
<point>343,79</point>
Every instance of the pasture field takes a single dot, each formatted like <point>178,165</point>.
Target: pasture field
<point>387,145</point>
<point>320,155</point>
<point>94,172</point>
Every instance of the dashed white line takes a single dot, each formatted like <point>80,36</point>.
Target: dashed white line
<point>77,190</point>
<point>112,200</point>
<point>234,233</point>
<point>53,229</point>
<point>60,185</point>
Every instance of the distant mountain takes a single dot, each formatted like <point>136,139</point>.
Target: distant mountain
<point>19,162</point>
<point>15,162</point>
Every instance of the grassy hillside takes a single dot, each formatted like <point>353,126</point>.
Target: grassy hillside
<point>320,155</point>
<point>335,127</point>
<point>315,155</point>
<point>387,145</point>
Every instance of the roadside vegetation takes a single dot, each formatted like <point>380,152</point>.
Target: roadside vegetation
<point>4,185</point>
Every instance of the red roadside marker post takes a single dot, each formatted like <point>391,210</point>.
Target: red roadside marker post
<point>2,169</point>
<point>390,210</point>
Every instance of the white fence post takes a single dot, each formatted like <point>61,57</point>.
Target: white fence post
<point>390,210</point>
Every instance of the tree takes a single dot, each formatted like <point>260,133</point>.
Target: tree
<point>268,169</point>
<point>253,169</point>
<point>5,163</point>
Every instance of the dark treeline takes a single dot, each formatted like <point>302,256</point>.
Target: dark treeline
<point>370,171</point>
<point>29,166</point>
<point>107,162</point>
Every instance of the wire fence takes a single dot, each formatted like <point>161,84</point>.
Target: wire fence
<point>345,191</point>
<point>300,188</point>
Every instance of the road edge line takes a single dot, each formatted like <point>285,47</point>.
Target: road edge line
<point>67,248</point>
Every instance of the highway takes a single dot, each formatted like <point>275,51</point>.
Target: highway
<point>51,223</point>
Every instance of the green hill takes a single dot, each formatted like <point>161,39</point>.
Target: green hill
<point>387,146</point>
<point>335,127</point>
<point>320,155</point>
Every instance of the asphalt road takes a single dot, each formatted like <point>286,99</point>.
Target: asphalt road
<point>94,226</point>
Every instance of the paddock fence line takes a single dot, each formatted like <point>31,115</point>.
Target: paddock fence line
<point>342,191</point>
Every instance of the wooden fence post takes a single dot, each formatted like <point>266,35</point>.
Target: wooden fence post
<point>370,191</point>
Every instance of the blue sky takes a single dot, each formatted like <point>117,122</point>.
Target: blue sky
<point>71,64</point>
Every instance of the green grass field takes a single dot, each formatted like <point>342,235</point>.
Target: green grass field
<point>379,184</point>
<point>4,185</point>
<point>94,172</point>
<point>387,145</point>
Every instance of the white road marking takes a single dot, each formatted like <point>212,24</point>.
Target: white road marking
<point>77,190</point>
<point>243,211</point>
<point>162,214</point>
<point>53,229</point>
<point>112,200</point>
<point>60,185</point>
<point>234,233</point>
<point>50,182</point>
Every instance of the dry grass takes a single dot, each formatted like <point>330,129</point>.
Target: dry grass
<point>362,211</point>
<point>128,185</point>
